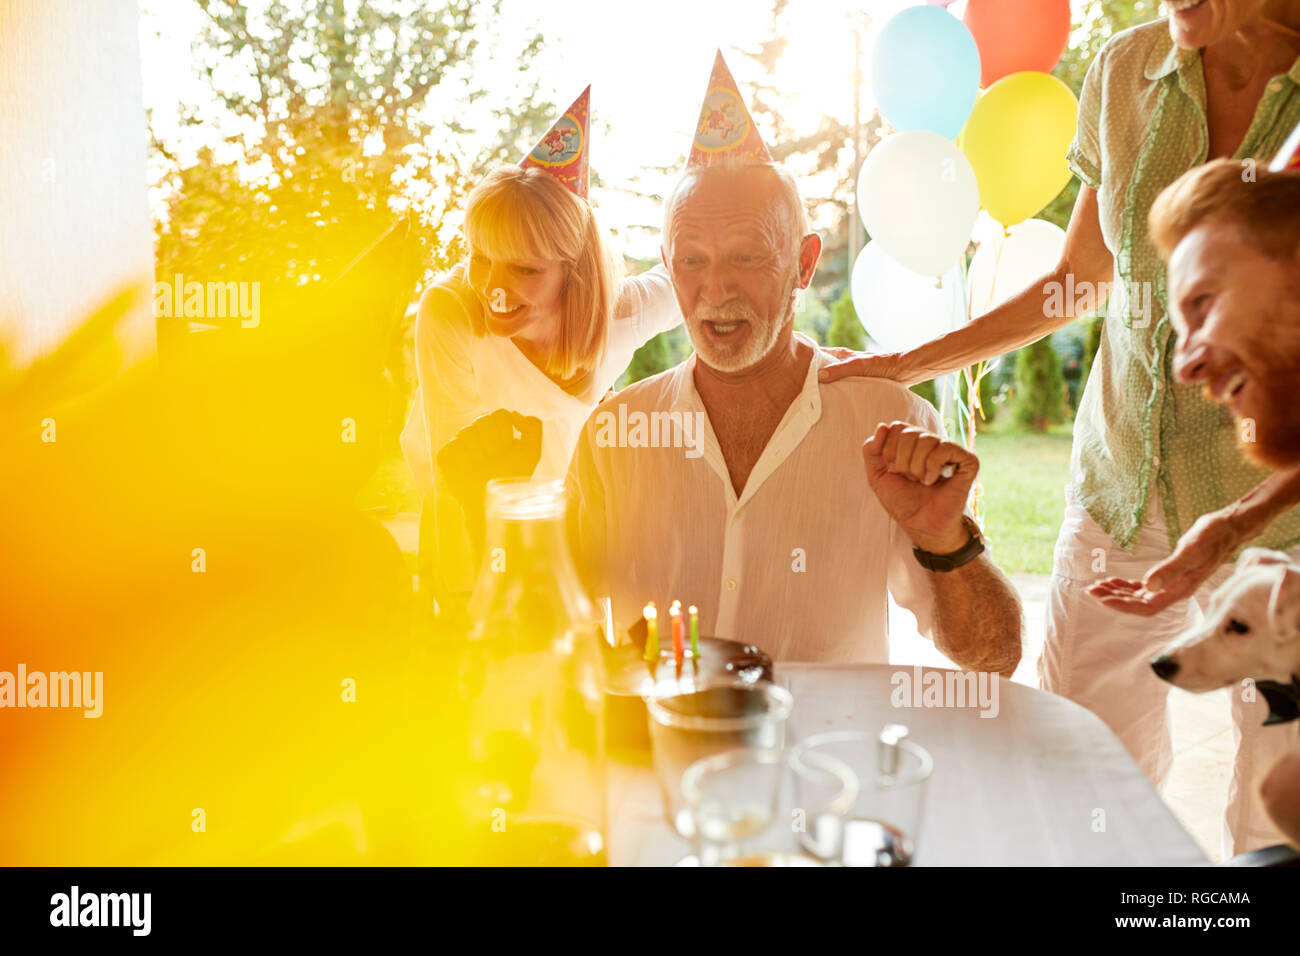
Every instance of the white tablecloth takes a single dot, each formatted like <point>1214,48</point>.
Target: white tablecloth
<point>1023,788</point>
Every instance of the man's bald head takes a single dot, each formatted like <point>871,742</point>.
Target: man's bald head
<point>738,247</point>
<point>767,182</point>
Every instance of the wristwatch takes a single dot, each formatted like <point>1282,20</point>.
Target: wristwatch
<point>968,552</point>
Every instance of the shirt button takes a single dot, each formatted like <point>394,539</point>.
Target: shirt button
<point>1275,86</point>
<point>1156,461</point>
<point>731,584</point>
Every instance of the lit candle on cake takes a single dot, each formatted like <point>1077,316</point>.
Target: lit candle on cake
<point>679,648</point>
<point>695,632</point>
<point>651,633</point>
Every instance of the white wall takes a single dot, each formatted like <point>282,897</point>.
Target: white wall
<point>74,211</point>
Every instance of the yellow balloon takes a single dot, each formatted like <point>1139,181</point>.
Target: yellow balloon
<point>1016,140</point>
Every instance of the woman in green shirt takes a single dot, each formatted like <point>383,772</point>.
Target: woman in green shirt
<point>1219,78</point>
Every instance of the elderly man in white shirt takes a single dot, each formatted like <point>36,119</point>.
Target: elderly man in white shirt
<point>735,482</point>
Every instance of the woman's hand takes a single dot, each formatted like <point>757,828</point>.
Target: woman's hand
<point>502,444</point>
<point>1024,318</point>
<point>850,363</point>
<point>1206,545</point>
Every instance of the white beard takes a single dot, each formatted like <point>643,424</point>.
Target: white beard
<point>763,335</point>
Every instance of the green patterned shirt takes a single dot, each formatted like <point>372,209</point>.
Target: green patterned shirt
<point>1142,125</point>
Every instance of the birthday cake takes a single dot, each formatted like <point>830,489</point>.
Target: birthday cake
<point>631,678</point>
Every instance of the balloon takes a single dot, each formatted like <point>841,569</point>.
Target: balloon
<point>1016,35</point>
<point>897,307</point>
<point>1016,140</point>
<point>986,228</point>
<point>880,12</point>
<point>918,198</point>
<point>1004,266</point>
<point>925,71</point>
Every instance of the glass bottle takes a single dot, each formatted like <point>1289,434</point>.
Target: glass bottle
<point>531,679</point>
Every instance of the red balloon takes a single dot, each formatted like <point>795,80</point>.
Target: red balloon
<point>1015,35</point>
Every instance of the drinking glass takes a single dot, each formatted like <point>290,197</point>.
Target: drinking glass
<point>529,685</point>
<point>733,799</point>
<point>710,717</point>
<point>884,823</point>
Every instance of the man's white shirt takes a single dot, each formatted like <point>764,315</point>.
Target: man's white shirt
<point>800,564</point>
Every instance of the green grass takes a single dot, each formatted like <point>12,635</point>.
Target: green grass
<point>1024,476</point>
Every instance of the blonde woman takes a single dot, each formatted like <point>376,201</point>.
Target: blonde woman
<point>531,331</point>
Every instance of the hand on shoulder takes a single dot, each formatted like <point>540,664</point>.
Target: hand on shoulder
<point>851,364</point>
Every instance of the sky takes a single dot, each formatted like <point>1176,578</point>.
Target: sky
<point>648,65</point>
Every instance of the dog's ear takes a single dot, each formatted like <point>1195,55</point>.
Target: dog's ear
<point>1284,605</point>
<point>1260,557</point>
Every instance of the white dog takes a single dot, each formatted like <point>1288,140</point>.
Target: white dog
<point>1251,629</point>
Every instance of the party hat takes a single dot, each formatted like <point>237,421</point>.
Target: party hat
<point>562,152</point>
<point>1288,157</point>
<point>725,128</point>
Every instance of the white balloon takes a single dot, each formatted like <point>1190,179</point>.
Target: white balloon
<point>918,198</point>
<point>986,228</point>
<point>1005,265</point>
<point>899,308</point>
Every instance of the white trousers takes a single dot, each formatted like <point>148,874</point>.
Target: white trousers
<point>1101,660</point>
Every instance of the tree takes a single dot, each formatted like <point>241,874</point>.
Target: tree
<point>812,317</point>
<point>845,329</point>
<point>324,135</point>
<point>1091,344</point>
<point>650,359</point>
<point>1039,399</point>
<point>927,391</point>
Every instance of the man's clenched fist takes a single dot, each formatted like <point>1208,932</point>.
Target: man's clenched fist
<point>905,468</point>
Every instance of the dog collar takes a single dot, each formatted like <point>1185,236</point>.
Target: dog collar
<point>1283,700</point>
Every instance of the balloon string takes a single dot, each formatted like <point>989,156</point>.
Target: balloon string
<point>974,375</point>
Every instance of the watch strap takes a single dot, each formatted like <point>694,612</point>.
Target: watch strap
<point>968,552</point>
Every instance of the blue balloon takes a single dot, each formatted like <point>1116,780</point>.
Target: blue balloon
<point>926,71</point>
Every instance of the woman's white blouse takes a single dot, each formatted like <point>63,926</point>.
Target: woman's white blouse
<point>463,376</point>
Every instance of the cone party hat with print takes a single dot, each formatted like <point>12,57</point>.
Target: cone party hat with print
<point>562,152</point>
<point>725,130</point>
<point>1288,157</point>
